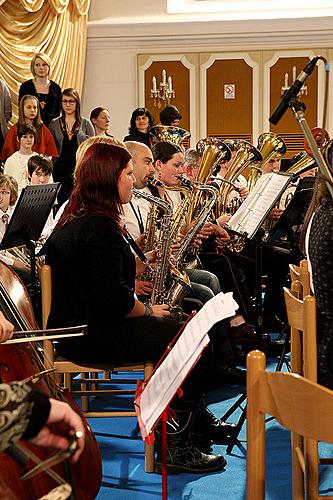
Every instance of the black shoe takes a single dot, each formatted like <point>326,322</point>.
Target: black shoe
<point>243,334</point>
<point>206,423</point>
<point>182,454</point>
<point>189,459</point>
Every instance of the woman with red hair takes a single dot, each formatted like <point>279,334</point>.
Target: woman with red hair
<point>94,272</point>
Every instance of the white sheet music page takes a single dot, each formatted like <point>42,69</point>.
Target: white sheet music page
<point>171,373</point>
<point>252,213</point>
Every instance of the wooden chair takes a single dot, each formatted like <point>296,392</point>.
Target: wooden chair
<point>301,274</point>
<point>65,369</point>
<point>302,321</point>
<point>302,406</point>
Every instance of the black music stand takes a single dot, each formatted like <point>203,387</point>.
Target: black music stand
<point>294,214</point>
<point>240,224</point>
<point>28,220</point>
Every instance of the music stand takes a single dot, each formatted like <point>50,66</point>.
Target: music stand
<point>294,213</point>
<point>153,397</point>
<point>246,222</point>
<point>28,220</point>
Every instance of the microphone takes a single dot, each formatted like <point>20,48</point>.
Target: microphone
<point>293,91</point>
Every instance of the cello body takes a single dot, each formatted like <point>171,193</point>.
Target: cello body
<point>18,362</point>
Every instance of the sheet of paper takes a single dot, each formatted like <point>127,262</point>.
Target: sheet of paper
<point>252,213</point>
<point>171,373</point>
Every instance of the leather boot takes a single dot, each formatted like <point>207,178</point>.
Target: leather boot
<point>205,423</point>
<point>182,454</point>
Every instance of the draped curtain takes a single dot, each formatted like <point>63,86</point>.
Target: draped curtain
<point>56,27</point>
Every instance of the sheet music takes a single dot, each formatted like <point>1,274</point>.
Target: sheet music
<point>171,373</point>
<point>252,213</point>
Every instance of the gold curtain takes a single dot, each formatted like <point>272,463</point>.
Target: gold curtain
<point>56,27</point>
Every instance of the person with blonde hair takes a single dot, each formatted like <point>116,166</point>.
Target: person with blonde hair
<point>47,91</point>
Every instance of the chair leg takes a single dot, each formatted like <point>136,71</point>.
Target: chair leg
<point>297,472</point>
<point>256,452</point>
<point>149,448</point>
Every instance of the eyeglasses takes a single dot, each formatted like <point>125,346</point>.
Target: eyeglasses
<point>72,101</point>
<point>3,193</point>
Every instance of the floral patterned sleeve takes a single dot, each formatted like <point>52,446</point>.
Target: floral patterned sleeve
<point>23,412</point>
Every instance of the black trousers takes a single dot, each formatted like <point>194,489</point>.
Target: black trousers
<point>137,340</point>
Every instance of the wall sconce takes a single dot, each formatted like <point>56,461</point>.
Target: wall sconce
<point>164,93</point>
<point>304,89</point>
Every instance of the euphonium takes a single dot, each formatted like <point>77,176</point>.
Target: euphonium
<point>303,163</point>
<point>245,154</point>
<point>169,133</point>
<point>212,151</point>
<point>269,145</point>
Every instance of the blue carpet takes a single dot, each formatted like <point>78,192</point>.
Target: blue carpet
<point>123,459</point>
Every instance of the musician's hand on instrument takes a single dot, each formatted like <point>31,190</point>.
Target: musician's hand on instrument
<point>275,214</point>
<point>244,192</point>
<point>143,287</point>
<point>221,233</point>
<point>18,264</point>
<point>223,219</point>
<point>140,241</point>
<point>206,231</point>
<point>161,310</point>
<point>6,328</point>
<point>176,243</point>
<point>62,423</point>
<point>197,242</point>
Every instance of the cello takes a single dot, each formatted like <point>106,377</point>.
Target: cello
<point>25,361</point>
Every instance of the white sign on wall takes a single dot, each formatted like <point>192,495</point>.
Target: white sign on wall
<point>229,91</point>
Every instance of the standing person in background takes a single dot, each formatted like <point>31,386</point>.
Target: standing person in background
<point>47,91</point>
<point>141,121</point>
<point>100,119</point>
<point>5,111</point>
<point>170,116</point>
<point>68,130</point>
<point>29,113</point>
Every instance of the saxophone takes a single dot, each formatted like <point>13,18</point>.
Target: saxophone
<point>164,272</point>
<point>150,230</point>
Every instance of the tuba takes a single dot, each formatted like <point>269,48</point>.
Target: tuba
<point>212,151</point>
<point>245,154</point>
<point>270,145</point>
<point>170,134</point>
<point>303,162</point>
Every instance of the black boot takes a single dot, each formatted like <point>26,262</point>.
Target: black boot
<point>182,454</point>
<point>205,423</point>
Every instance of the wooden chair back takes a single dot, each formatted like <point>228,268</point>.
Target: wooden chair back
<point>300,405</point>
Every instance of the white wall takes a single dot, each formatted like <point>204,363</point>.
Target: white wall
<point>117,34</point>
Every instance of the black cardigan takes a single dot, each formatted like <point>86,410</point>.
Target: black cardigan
<point>52,106</point>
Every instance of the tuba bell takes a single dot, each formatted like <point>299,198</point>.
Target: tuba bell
<point>171,134</point>
<point>270,145</point>
<point>301,163</point>
<point>212,151</point>
<point>245,154</point>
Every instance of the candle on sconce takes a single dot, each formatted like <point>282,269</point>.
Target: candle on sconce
<point>170,83</point>
<point>164,77</point>
<point>286,76</point>
<point>154,84</point>
<point>294,73</point>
